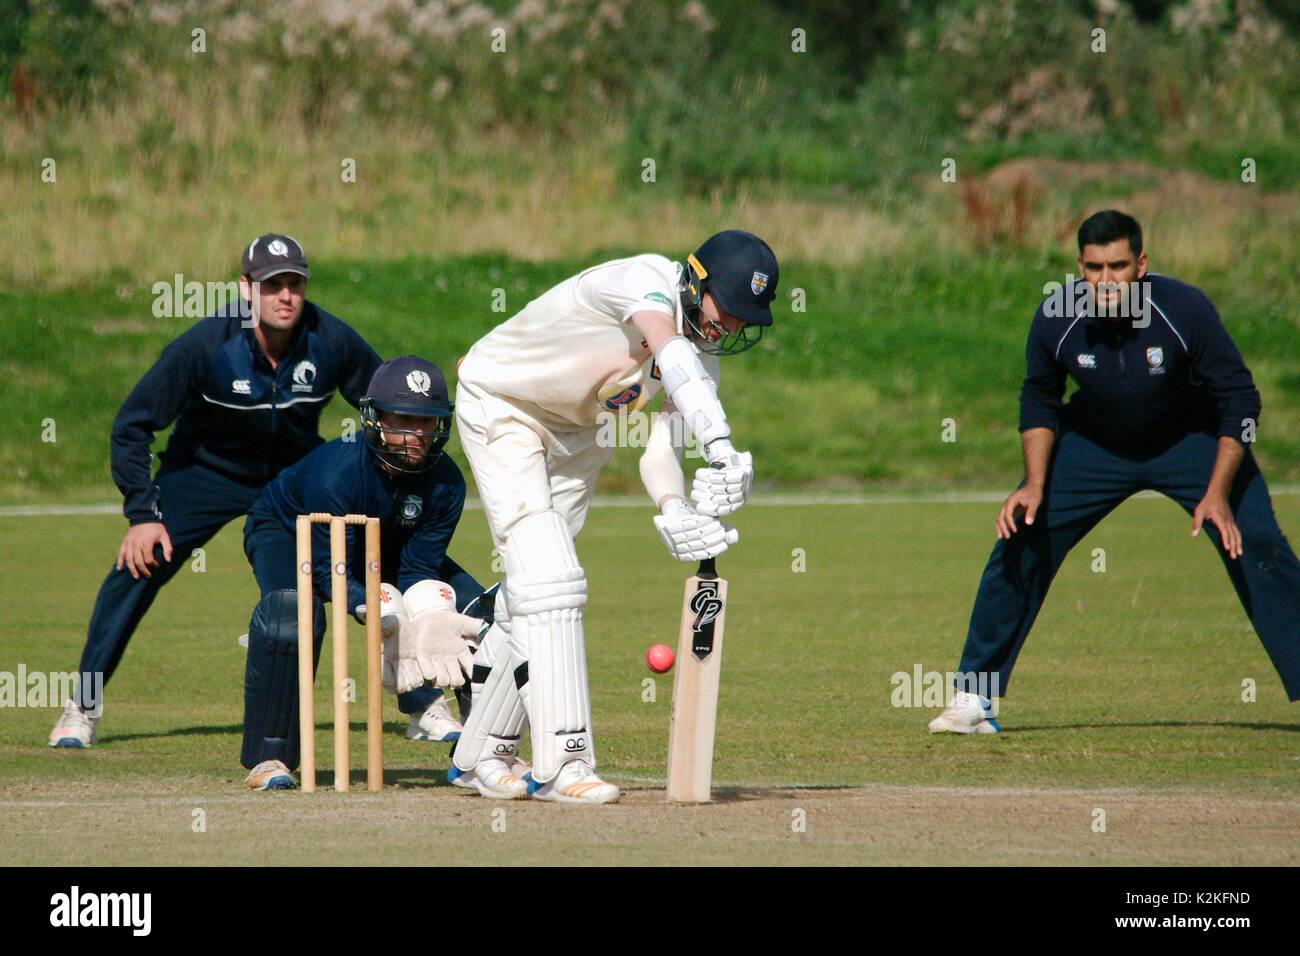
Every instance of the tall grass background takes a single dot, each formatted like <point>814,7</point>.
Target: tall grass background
<point>502,168</point>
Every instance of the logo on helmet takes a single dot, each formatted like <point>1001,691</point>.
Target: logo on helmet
<point>419,382</point>
<point>758,283</point>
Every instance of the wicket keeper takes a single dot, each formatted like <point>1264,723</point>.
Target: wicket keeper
<point>400,475</point>
<point>529,398</point>
<point>1164,402</point>
<point>246,395</point>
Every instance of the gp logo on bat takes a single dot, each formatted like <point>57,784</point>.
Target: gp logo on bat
<point>707,606</point>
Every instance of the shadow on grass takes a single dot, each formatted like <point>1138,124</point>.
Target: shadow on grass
<point>743,794</point>
<point>1242,725</point>
<point>356,726</point>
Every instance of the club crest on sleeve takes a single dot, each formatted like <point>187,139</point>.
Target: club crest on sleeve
<point>758,283</point>
<point>625,397</point>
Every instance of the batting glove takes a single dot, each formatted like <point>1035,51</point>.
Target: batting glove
<point>723,487</point>
<point>691,536</point>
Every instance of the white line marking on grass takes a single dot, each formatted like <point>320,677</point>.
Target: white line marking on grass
<point>639,501</point>
<point>45,511</point>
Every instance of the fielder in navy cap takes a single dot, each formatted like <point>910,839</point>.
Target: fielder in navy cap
<point>243,400</point>
<point>274,254</point>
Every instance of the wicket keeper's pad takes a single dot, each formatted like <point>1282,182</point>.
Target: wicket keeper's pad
<point>545,592</point>
<point>496,719</point>
<point>271,677</point>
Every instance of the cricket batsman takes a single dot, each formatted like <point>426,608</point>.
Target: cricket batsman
<point>400,475</point>
<point>246,396</point>
<point>1164,402</point>
<point>528,400</point>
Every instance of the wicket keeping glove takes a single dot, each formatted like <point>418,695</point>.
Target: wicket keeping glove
<point>723,487</point>
<point>392,609</point>
<point>690,536</point>
<point>436,642</point>
<point>392,616</point>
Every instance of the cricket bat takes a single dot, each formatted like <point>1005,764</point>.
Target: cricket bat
<point>695,686</point>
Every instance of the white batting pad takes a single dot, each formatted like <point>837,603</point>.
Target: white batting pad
<point>496,719</point>
<point>546,589</point>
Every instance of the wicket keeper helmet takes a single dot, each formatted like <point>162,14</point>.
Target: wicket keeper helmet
<point>740,270</point>
<point>411,386</point>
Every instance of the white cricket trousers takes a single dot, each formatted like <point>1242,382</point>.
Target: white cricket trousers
<point>521,467</point>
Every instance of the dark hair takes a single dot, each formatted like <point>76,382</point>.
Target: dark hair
<point>1107,226</point>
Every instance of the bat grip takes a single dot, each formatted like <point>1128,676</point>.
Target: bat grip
<point>708,569</point>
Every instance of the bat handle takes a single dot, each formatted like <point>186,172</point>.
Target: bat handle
<point>708,569</point>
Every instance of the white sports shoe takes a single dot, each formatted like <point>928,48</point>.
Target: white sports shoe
<point>75,730</point>
<point>271,775</point>
<point>967,714</point>
<point>493,778</point>
<point>436,723</point>
<point>575,783</point>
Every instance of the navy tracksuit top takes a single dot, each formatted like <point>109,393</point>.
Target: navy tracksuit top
<point>234,413</point>
<point>417,513</point>
<point>1143,383</point>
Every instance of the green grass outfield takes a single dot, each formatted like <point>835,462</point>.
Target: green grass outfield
<point>1128,700</point>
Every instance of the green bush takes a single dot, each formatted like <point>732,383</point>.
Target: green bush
<point>67,47</point>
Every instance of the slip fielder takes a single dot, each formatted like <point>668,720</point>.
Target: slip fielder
<point>527,406</point>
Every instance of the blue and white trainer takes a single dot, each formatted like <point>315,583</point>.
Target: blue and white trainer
<point>493,778</point>
<point>967,714</point>
<point>575,783</point>
<point>436,723</point>
<point>271,775</point>
<point>76,729</point>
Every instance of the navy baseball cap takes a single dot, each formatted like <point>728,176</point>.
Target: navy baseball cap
<point>272,254</point>
<point>740,270</point>
<point>409,385</point>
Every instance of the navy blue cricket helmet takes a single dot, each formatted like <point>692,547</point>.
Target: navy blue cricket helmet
<point>740,271</point>
<point>411,386</point>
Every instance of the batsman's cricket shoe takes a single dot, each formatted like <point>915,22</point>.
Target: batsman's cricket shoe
<point>271,775</point>
<point>436,724</point>
<point>967,714</point>
<point>575,783</point>
<point>493,778</point>
<point>75,730</point>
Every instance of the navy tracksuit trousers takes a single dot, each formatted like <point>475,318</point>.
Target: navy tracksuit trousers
<point>1085,483</point>
<point>198,503</point>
